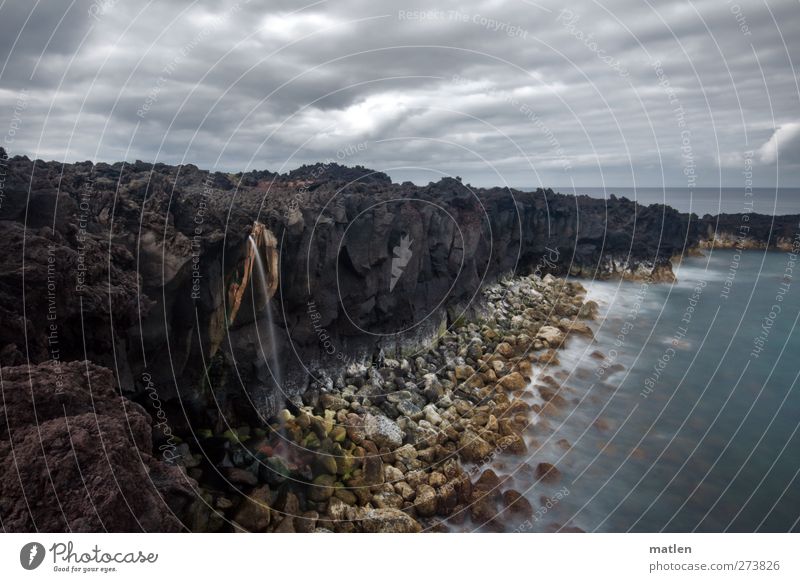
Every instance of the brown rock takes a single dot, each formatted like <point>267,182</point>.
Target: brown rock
<point>405,490</point>
<point>307,522</point>
<point>389,521</point>
<point>338,510</point>
<point>473,448</point>
<point>242,477</point>
<point>373,469</point>
<point>98,451</point>
<point>355,428</point>
<point>385,500</point>
<point>464,373</point>
<point>322,488</point>
<point>513,444</point>
<point>552,335</point>
<point>286,526</point>
<point>516,504</point>
<point>489,480</point>
<point>513,381</point>
<point>447,498</point>
<point>425,501</point>
<point>436,479</point>
<point>547,473</point>
<point>254,512</point>
<point>505,349</point>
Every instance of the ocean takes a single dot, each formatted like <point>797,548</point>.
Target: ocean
<point>702,201</point>
<point>690,423</point>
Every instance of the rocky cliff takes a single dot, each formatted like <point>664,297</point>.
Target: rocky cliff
<point>749,231</point>
<point>147,269</point>
<point>208,298</point>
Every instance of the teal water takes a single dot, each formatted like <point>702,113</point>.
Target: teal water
<point>698,429</point>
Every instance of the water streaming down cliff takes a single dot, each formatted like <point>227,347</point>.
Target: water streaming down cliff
<point>260,279</point>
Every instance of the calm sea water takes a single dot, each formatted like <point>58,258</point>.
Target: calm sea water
<point>693,430</point>
<point>704,200</point>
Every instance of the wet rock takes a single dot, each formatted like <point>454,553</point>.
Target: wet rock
<point>409,409</point>
<point>505,349</point>
<point>373,469</point>
<point>346,495</point>
<point>405,490</point>
<point>472,448</point>
<point>392,474</point>
<point>513,444</point>
<point>387,500</point>
<point>447,498</point>
<point>489,480</point>
<point>589,310</point>
<point>327,463</point>
<point>355,428</point>
<point>406,453</point>
<point>432,415</point>
<point>425,501</point>
<point>517,504</point>
<point>322,488</point>
<point>547,473</point>
<point>552,335</point>
<point>254,513</point>
<point>307,522</point>
<point>483,510</point>
<point>338,434</point>
<point>576,327</point>
<point>241,477</point>
<point>287,525</point>
<point>436,479</point>
<point>338,510</point>
<point>273,470</point>
<point>475,350</point>
<point>389,521</point>
<point>513,382</point>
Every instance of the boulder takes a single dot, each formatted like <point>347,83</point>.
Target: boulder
<point>547,473</point>
<point>322,488</point>
<point>425,501</point>
<point>254,513</point>
<point>382,431</point>
<point>516,504</point>
<point>389,521</point>
<point>83,458</point>
<point>552,335</point>
<point>513,382</point>
<point>472,448</point>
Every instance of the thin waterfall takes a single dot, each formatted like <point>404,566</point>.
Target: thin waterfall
<point>261,279</point>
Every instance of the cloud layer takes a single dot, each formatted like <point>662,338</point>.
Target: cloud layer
<point>517,92</point>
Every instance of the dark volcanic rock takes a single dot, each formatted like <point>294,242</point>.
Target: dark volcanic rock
<point>138,265</point>
<point>77,457</point>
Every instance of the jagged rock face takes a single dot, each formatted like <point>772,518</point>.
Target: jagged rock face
<point>142,259</point>
<point>750,231</point>
<point>77,457</point>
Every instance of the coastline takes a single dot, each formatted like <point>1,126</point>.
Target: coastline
<point>408,444</point>
<point>443,441</point>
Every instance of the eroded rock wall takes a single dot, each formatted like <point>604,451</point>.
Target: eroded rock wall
<point>131,266</point>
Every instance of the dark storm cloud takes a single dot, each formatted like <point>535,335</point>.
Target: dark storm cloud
<point>490,90</point>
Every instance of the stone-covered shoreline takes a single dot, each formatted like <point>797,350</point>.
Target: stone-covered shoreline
<point>407,444</point>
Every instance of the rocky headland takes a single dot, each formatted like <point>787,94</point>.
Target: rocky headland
<point>322,350</point>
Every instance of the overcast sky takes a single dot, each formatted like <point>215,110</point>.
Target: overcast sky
<point>517,92</point>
